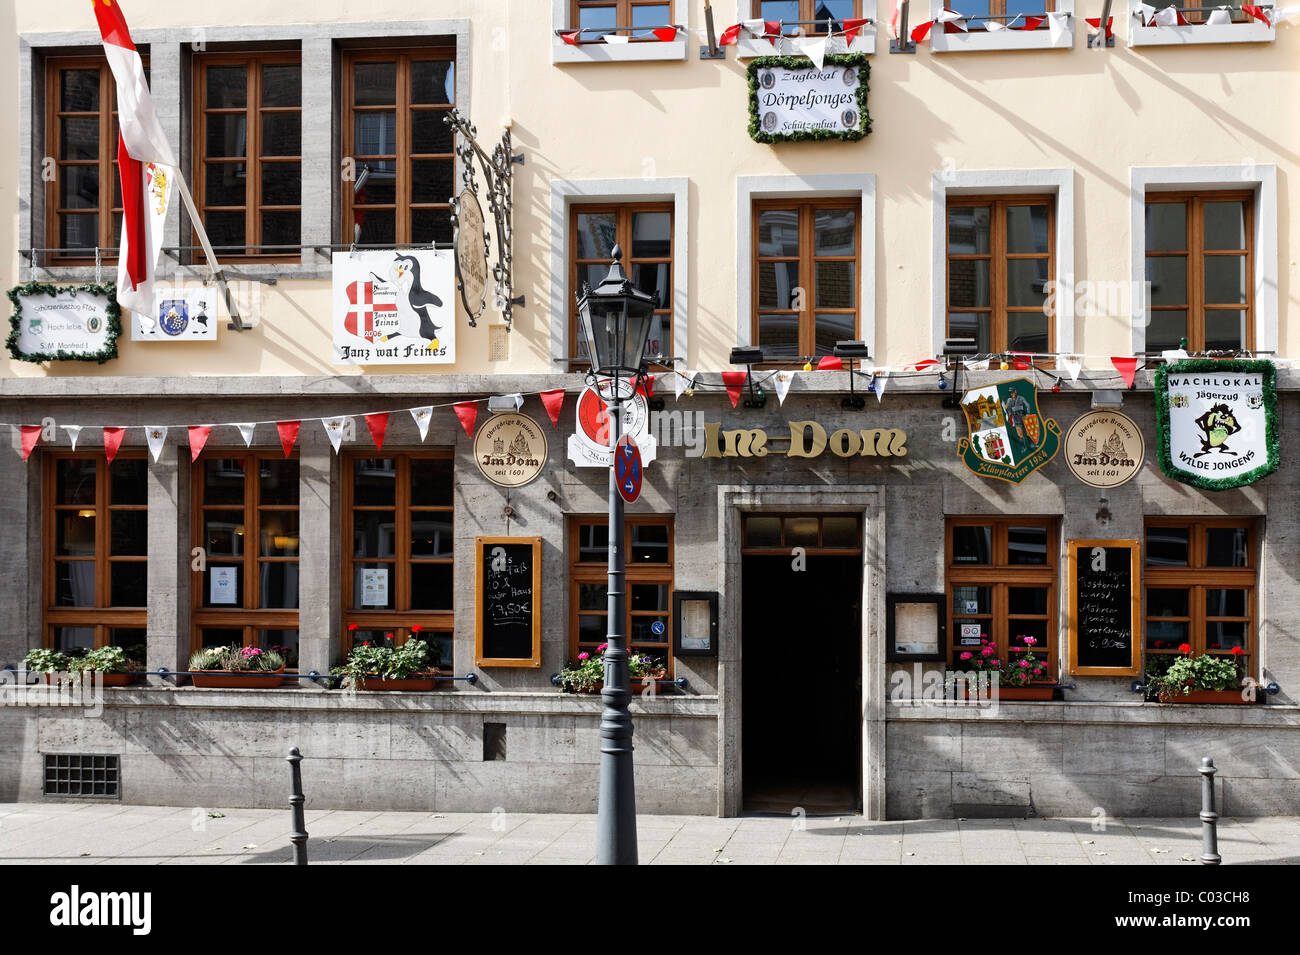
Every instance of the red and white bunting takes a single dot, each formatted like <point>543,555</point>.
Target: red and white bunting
<point>830,363</point>
<point>377,424</point>
<point>683,381</point>
<point>467,412</point>
<point>1127,368</point>
<point>112,441</point>
<point>246,432</point>
<point>1095,24</point>
<point>335,428</point>
<point>74,432</point>
<point>421,417</point>
<point>156,436</point>
<point>288,434</point>
<point>921,31</point>
<point>734,382</point>
<point>31,433</point>
<point>553,401</point>
<point>198,434</point>
<point>782,380</point>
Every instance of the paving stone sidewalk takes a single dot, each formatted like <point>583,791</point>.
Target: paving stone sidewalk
<point>79,833</point>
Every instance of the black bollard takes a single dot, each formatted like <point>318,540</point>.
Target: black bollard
<point>1209,818</point>
<point>298,836</point>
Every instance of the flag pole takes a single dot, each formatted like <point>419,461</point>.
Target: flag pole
<point>215,269</point>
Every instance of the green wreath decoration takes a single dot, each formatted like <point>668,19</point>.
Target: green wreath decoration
<point>113,313</point>
<point>856,60</point>
<point>1167,465</point>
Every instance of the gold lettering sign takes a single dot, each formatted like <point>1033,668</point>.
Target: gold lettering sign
<point>808,439</point>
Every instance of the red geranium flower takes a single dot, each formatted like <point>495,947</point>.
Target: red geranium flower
<point>1238,651</point>
<point>416,628</point>
<point>1185,648</point>
<point>352,626</point>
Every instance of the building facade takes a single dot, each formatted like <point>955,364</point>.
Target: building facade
<point>1019,187</point>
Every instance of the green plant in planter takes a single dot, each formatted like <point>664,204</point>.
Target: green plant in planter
<point>590,669</point>
<point>41,660</point>
<point>236,658</point>
<point>106,660</point>
<point>1188,674</point>
<point>413,657</point>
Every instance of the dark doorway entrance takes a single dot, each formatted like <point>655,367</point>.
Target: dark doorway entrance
<point>801,652</point>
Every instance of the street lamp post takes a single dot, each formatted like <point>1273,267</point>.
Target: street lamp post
<point>615,319</point>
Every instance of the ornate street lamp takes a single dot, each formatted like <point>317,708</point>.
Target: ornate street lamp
<point>615,319</point>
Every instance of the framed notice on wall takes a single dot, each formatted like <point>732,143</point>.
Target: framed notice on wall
<point>1105,607</point>
<point>507,601</point>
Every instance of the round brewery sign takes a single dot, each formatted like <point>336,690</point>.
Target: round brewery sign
<point>471,254</point>
<point>1104,448</point>
<point>510,449</point>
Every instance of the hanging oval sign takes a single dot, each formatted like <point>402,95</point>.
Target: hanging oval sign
<point>1104,448</point>
<point>471,253</point>
<point>510,449</point>
<point>627,468</point>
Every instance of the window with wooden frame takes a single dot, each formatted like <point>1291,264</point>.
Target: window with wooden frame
<point>649,581</point>
<point>248,152</point>
<point>1201,582</point>
<point>595,19</point>
<point>1009,13</point>
<point>806,275</point>
<point>1001,259</point>
<point>1001,580</point>
<point>246,521</point>
<point>398,549</point>
<point>1200,270</point>
<point>96,542</point>
<point>644,232</point>
<point>83,201</point>
<point>801,13</point>
<point>404,161</point>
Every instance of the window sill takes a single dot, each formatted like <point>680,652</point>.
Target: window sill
<point>562,52</point>
<point>1199,33</point>
<point>255,270</point>
<point>1040,39</point>
<point>748,47</point>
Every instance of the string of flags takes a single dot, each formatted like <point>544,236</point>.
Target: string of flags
<point>814,47</point>
<point>954,22</point>
<point>685,384</point>
<point>662,34</point>
<point>1221,15</point>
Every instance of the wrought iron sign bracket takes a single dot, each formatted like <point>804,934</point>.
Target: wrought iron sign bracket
<point>498,174</point>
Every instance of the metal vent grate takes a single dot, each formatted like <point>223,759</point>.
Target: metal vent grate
<point>77,774</point>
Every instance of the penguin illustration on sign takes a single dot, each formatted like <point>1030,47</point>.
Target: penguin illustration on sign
<point>413,301</point>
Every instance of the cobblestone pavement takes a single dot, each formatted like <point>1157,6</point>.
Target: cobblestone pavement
<point>80,833</point>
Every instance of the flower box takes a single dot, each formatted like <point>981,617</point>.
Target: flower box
<point>1008,693</point>
<point>237,680</point>
<point>419,682</point>
<point>1220,697</point>
<point>88,676</point>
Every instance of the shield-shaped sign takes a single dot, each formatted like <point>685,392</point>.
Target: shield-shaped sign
<point>1008,437</point>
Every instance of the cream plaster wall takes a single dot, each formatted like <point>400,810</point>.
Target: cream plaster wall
<point>1098,112</point>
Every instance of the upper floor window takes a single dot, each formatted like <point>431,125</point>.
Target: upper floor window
<point>96,538</point>
<point>806,275</point>
<point>644,231</point>
<point>1009,13</point>
<point>634,19</point>
<point>248,152</point>
<point>1001,260</point>
<point>1199,269</point>
<point>83,202</point>
<point>824,12</point>
<point>402,150</point>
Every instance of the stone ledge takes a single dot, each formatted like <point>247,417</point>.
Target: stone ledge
<point>1276,716</point>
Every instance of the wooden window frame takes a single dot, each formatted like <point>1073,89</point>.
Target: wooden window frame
<point>248,617</point>
<point>253,158</point>
<point>1000,576</point>
<point>998,257</point>
<point>806,10</point>
<point>1195,253</point>
<point>807,259</point>
<point>402,156</point>
<point>624,212</point>
<point>107,162</point>
<point>998,8</point>
<point>597,572</point>
<point>399,620</point>
<point>1197,578</point>
<point>102,617</point>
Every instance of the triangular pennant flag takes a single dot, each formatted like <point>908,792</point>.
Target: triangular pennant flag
<point>782,380</point>
<point>570,38</point>
<point>756,27</point>
<point>925,363</point>
<point>730,35</point>
<point>1056,25</point>
<point>734,380</point>
<point>198,438</point>
<point>334,428</point>
<point>922,30</point>
<point>681,381</point>
<point>518,399</point>
<point>74,432</point>
<point>1031,23</point>
<point>467,412</point>
<point>31,434</point>
<point>1173,354</point>
<point>666,34</point>
<point>813,47</point>
<point>378,425</point>
<point>1169,16</point>
<point>1095,23</point>
<point>1072,366</point>
<point>246,432</point>
<point>1219,17</point>
<point>1021,360</point>
<point>1144,12</point>
<point>616,39</point>
<point>772,31</point>
<point>1256,13</point>
<point>878,381</point>
<point>288,434</point>
<point>156,435</point>
<point>830,363</point>
<point>553,401</point>
<point>112,441</point>
<point>852,27</point>
<point>1127,368</point>
<point>422,416</point>
<point>948,16</point>
<point>994,27</point>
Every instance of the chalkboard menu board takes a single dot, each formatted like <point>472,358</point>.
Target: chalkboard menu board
<point>508,618</point>
<point>1105,617</point>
